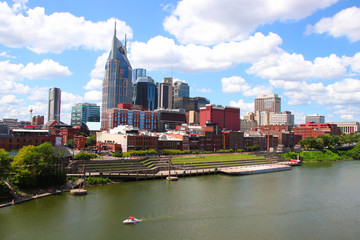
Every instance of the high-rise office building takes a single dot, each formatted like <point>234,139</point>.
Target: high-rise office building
<point>138,72</point>
<point>181,89</point>
<point>224,117</point>
<point>54,106</point>
<point>285,118</point>
<point>83,113</point>
<point>168,80</point>
<point>117,85</point>
<point>316,118</point>
<point>186,103</point>
<point>190,104</point>
<point>268,102</point>
<point>165,94</point>
<point>200,102</point>
<point>145,93</point>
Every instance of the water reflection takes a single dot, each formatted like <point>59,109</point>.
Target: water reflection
<point>315,201</point>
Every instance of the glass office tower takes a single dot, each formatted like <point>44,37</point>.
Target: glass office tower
<point>83,113</point>
<point>117,85</point>
<point>144,92</point>
<point>138,72</point>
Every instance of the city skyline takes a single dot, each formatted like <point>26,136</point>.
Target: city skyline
<point>303,51</point>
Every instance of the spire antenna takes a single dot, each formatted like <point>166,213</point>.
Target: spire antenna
<point>125,45</point>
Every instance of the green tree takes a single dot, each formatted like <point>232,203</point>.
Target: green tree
<point>335,140</point>
<point>117,154</point>
<point>326,140</point>
<point>311,143</point>
<point>70,143</point>
<point>91,141</point>
<point>37,166</point>
<point>5,161</point>
<point>84,156</point>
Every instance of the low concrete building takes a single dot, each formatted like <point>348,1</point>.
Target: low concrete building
<point>247,125</point>
<point>125,138</point>
<point>347,127</point>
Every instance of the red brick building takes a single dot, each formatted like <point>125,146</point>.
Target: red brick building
<point>224,117</point>
<point>22,137</point>
<point>316,129</point>
<point>261,141</point>
<point>134,115</point>
<point>38,120</point>
<point>79,142</point>
<point>68,133</point>
<point>232,140</point>
<point>277,128</point>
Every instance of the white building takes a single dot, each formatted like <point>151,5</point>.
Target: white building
<point>316,118</point>
<point>347,127</point>
<point>285,118</point>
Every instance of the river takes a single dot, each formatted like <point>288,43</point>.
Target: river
<point>314,201</point>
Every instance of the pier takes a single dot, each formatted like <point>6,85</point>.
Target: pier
<point>256,169</point>
<point>240,170</point>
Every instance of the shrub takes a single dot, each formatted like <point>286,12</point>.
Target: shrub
<point>117,154</point>
<point>84,156</point>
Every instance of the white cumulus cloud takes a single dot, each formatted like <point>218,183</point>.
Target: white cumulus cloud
<point>57,32</point>
<point>236,84</point>
<point>293,67</point>
<point>44,70</point>
<point>93,96</point>
<point>344,23</point>
<point>244,107</point>
<point>211,21</point>
<point>161,52</point>
<point>94,84</point>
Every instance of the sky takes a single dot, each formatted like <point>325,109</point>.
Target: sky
<point>229,51</point>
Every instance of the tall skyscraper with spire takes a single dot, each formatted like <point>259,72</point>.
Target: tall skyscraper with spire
<point>117,84</point>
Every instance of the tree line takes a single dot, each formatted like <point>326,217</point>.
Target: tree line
<point>329,141</point>
<point>33,166</point>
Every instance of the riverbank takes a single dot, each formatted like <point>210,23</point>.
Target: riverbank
<point>326,155</point>
<point>33,194</point>
<point>239,170</point>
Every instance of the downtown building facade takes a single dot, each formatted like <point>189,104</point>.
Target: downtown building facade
<point>316,129</point>
<point>54,105</point>
<point>347,127</point>
<point>285,118</point>
<point>224,117</point>
<point>83,113</point>
<point>316,118</point>
<point>268,103</point>
<point>117,84</point>
<point>138,72</point>
<point>38,120</point>
<point>145,93</point>
<point>132,115</point>
<point>165,94</point>
<point>181,89</point>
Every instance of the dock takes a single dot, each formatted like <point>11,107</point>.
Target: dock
<point>255,169</point>
<point>239,170</point>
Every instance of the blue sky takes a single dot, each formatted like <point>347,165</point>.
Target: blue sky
<point>228,51</point>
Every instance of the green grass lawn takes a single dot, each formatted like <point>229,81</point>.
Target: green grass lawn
<point>214,158</point>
